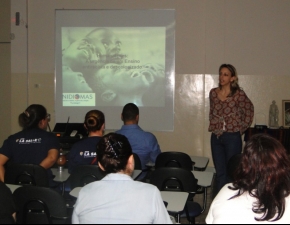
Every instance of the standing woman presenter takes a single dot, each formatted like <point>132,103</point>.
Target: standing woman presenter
<point>231,113</point>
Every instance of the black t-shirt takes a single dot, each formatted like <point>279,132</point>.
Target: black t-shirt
<point>29,146</point>
<point>83,152</point>
<point>7,205</point>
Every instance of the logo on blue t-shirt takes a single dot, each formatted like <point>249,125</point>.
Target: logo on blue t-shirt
<point>29,141</point>
<point>90,154</point>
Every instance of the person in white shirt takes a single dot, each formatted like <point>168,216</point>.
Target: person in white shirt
<point>260,192</point>
<point>117,198</point>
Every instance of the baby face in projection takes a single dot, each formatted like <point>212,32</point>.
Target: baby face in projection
<point>83,57</point>
<point>121,84</point>
<point>98,47</point>
<point>105,38</point>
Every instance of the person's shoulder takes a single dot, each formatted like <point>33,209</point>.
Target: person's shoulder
<point>240,91</point>
<point>213,91</point>
<point>149,134</point>
<point>225,193</point>
<point>146,186</point>
<point>47,134</point>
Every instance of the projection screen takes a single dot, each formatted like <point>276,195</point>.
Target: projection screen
<point>105,59</point>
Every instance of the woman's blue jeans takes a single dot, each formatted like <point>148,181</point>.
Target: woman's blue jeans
<point>223,148</point>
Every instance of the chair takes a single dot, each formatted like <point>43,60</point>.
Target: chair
<point>179,179</point>
<point>26,174</point>
<point>85,174</point>
<point>138,164</point>
<point>40,205</point>
<point>174,159</point>
<point>232,166</point>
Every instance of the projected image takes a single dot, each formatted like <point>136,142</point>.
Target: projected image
<point>113,66</point>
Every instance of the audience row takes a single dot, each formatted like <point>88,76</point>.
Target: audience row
<point>259,193</point>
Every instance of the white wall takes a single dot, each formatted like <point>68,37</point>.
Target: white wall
<point>252,35</point>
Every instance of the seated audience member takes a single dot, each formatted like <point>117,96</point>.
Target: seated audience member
<point>7,205</point>
<point>117,198</point>
<point>84,152</point>
<point>32,145</point>
<point>261,187</point>
<point>143,143</point>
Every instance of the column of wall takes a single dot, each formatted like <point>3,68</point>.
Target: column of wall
<point>5,70</point>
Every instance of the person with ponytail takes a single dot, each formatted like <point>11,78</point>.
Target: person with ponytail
<point>32,145</point>
<point>84,152</point>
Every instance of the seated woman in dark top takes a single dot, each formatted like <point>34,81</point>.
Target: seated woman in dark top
<point>7,205</point>
<point>84,152</point>
<point>32,145</point>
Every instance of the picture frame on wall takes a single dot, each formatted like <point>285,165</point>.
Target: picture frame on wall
<point>286,113</point>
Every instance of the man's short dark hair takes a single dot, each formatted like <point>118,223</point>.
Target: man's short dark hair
<point>130,112</point>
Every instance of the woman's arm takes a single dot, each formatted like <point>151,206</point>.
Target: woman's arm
<point>3,160</point>
<point>50,160</point>
<point>247,108</point>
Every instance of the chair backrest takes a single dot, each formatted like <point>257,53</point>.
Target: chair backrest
<point>174,179</point>
<point>26,174</point>
<point>174,159</point>
<point>40,205</point>
<point>85,174</point>
<point>232,165</point>
<point>138,164</point>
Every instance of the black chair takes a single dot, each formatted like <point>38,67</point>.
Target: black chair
<point>40,205</point>
<point>232,166</point>
<point>138,164</point>
<point>174,159</point>
<point>85,174</point>
<point>179,179</point>
<point>26,174</point>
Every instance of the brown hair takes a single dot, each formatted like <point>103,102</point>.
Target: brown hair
<point>264,172</point>
<point>31,117</point>
<point>94,120</point>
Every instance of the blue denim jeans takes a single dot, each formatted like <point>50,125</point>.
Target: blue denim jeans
<point>223,148</point>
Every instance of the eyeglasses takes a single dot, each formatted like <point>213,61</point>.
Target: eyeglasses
<point>47,116</point>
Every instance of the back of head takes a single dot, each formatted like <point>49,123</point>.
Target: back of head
<point>130,112</point>
<point>264,171</point>
<point>113,152</point>
<point>264,159</point>
<point>94,120</point>
<point>31,117</point>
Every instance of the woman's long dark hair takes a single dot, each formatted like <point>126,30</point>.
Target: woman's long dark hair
<point>264,172</point>
<point>31,117</point>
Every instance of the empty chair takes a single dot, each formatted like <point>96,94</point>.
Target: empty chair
<point>40,205</point>
<point>174,159</point>
<point>26,174</point>
<point>179,179</point>
<point>233,165</point>
<point>85,174</point>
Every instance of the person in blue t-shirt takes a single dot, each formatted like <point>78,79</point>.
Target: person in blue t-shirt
<point>84,152</point>
<point>32,145</point>
<point>143,143</point>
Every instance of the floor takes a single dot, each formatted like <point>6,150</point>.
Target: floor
<point>198,198</point>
